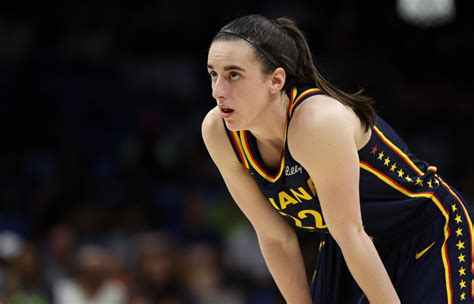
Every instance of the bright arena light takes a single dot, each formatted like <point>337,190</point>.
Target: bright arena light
<point>427,13</point>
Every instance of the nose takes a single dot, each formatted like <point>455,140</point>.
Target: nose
<point>220,89</point>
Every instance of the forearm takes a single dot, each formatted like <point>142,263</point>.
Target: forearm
<point>367,268</point>
<point>285,262</point>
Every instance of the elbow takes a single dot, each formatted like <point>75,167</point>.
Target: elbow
<point>345,234</point>
<point>266,239</point>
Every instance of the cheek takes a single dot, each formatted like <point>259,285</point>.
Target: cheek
<point>253,91</point>
<point>255,106</point>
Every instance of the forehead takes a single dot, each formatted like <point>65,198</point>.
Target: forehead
<point>228,52</point>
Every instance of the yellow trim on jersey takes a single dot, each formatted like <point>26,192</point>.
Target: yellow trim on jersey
<point>400,152</point>
<point>256,166</point>
<point>303,94</point>
<point>246,150</point>
<point>294,91</point>
<point>388,181</point>
<point>466,214</point>
<point>235,134</point>
<point>440,207</point>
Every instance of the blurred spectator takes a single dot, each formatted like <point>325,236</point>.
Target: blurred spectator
<point>91,282</point>
<point>11,245</point>
<point>58,253</point>
<point>24,281</point>
<point>155,270</point>
<point>204,276</point>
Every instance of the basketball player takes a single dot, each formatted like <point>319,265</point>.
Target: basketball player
<point>296,152</point>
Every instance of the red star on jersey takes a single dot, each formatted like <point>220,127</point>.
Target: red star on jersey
<point>374,149</point>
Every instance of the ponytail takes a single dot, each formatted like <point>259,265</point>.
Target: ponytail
<point>307,72</point>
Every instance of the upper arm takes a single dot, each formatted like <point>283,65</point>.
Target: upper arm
<point>240,183</point>
<point>322,139</point>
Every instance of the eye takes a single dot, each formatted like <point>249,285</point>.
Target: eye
<point>234,75</point>
<point>213,75</point>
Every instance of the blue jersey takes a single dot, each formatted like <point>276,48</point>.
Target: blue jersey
<point>421,227</point>
<point>398,191</point>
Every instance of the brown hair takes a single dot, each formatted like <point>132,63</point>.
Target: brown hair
<point>284,41</point>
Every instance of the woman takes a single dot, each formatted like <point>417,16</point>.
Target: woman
<point>294,151</point>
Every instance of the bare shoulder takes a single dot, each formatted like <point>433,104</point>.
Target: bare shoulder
<point>322,115</point>
<point>216,140</point>
<point>212,129</point>
<point>210,122</point>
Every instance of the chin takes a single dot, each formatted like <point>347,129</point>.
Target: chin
<point>233,126</point>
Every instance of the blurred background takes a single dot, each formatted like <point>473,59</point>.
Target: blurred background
<point>107,194</point>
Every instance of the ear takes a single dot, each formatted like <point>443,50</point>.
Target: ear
<point>277,80</point>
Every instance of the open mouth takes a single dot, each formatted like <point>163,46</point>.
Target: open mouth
<point>225,109</point>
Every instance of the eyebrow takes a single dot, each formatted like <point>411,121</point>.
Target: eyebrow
<point>228,67</point>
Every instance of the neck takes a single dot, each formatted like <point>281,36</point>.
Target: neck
<point>272,123</point>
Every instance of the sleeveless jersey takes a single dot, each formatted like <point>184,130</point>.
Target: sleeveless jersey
<point>399,193</point>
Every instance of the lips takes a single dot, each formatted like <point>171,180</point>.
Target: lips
<point>225,111</point>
